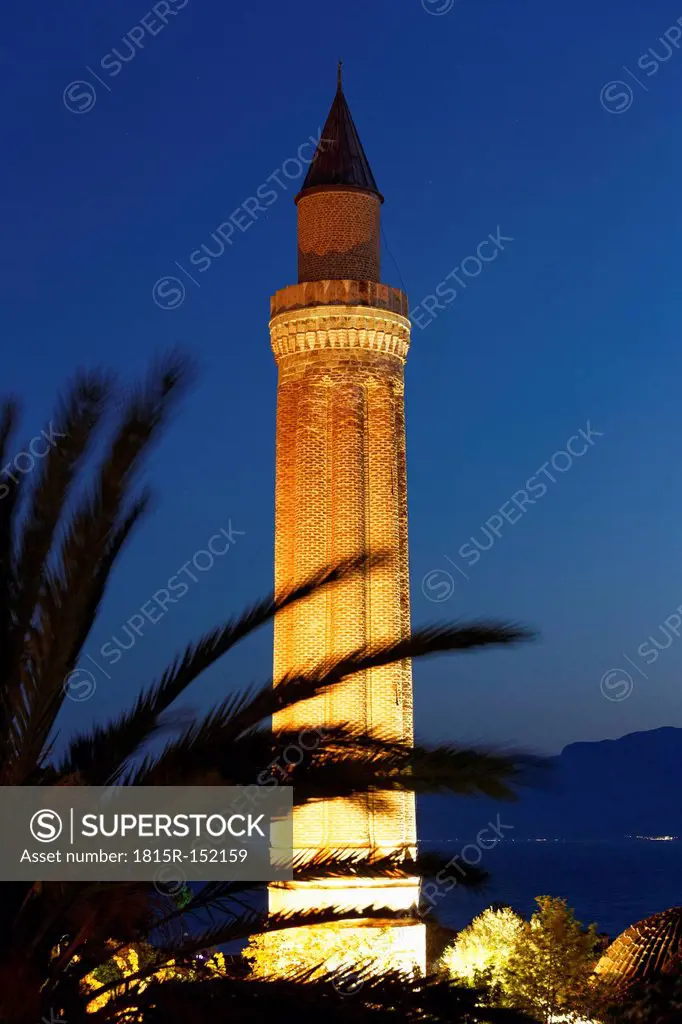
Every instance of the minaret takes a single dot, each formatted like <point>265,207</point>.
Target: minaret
<point>340,338</point>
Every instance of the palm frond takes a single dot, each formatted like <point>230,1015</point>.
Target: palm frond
<point>255,923</point>
<point>100,755</point>
<point>295,689</point>
<point>335,997</point>
<point>184,947</point>
<point>380,767</point>
<point>73,577</point>
<point>226,723</point>
<point>365,864</point>
<point>71,434</point>
<point>9,585</point>
<point>299,687</point>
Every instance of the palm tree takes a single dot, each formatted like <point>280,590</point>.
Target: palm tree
<point>61,532</point>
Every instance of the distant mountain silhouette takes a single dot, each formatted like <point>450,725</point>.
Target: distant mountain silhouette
<point>605,790</point>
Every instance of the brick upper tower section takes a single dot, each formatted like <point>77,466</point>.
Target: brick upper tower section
<point>339,207</point>
<point>339,235</point>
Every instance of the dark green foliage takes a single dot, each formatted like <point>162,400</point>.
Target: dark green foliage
<point>549,973</point>
<point>654,1000</point>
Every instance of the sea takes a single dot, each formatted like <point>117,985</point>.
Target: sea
<point>611,884</point>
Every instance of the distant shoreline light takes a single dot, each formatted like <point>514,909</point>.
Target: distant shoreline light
<point>555,839</point>
<point>659,839</point>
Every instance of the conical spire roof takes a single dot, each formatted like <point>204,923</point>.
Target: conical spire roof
<point>340,158</point>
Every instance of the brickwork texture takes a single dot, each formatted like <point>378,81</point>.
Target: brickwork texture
<point>339,235</point>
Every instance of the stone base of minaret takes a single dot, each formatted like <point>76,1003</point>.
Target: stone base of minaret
<point>369,944</point>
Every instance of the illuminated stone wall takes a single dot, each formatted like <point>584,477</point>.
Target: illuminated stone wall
<point>381,945</point>
<point>341,489</point>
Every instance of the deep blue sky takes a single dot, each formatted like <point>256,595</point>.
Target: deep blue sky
<point>487,115</point>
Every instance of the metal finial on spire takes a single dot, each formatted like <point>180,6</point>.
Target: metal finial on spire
<point>340,158</point>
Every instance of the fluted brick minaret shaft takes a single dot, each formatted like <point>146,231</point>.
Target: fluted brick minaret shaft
<point>340,339</point>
